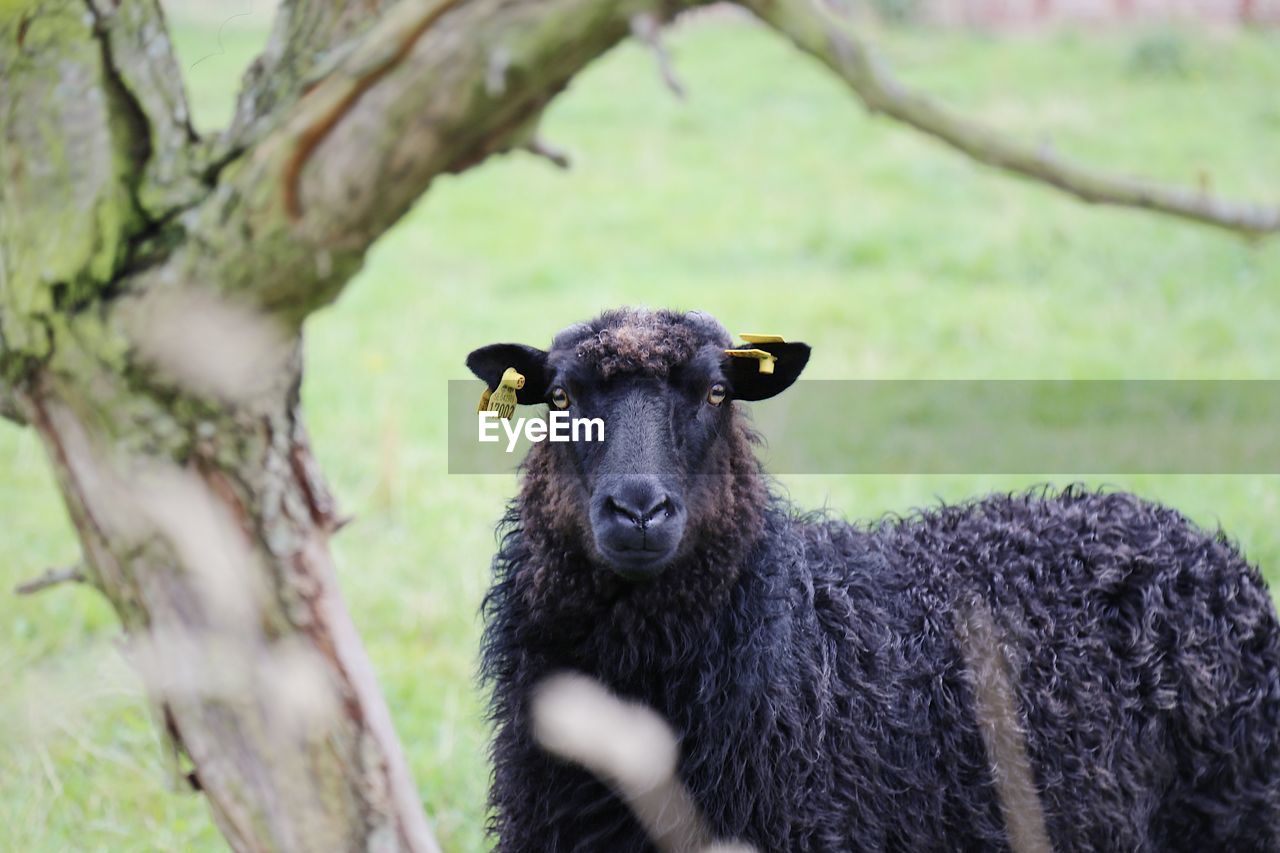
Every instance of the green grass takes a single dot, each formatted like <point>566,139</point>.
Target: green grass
<point>768,198</point>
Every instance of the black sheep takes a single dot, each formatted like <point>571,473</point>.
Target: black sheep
<point>1074,669</point>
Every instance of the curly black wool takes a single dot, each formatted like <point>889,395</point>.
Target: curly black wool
<point>813,671</point>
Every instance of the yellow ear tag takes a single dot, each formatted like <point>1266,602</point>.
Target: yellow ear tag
<point>503,398</point>
<point>767,360</point>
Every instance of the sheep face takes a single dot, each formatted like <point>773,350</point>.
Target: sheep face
<point>664,388</point>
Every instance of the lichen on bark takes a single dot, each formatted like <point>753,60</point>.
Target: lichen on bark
<point>70,157</point>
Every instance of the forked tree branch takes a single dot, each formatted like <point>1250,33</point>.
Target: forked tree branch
<point>432,87</point>
<point>818,32</point>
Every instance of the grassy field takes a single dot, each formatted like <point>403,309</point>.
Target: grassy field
<point>768,198</point>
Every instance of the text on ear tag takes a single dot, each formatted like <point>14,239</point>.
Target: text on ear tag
<point>503,398</point>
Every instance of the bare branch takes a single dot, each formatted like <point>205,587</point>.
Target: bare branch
<point>52,577</point>
<point>647,27</point>
<point>833,43</point>
<point>539,147</point>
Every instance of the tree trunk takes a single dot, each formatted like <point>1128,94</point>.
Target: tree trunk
<point>212,543</point>
<point>153,288</point>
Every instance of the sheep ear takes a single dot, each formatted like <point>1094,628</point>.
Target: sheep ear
<point>748,382</point>
<point>490,362</point>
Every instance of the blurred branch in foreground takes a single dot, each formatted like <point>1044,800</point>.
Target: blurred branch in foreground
<point>816,31</point>
<point>632,748</point>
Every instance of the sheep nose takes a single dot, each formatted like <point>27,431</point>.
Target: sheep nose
<point>641,503</point>
<point>638,524</point>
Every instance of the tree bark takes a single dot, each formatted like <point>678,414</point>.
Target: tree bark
<point>201,513</point>
<point>211,540</point>
<point>153,288</point>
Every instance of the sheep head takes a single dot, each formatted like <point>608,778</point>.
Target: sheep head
<point>664,384</point>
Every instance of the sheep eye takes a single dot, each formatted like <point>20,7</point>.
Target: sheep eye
<point>559,398</point>
<point>716,394</point>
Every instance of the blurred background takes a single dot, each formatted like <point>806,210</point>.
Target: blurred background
<point>768,198</point>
